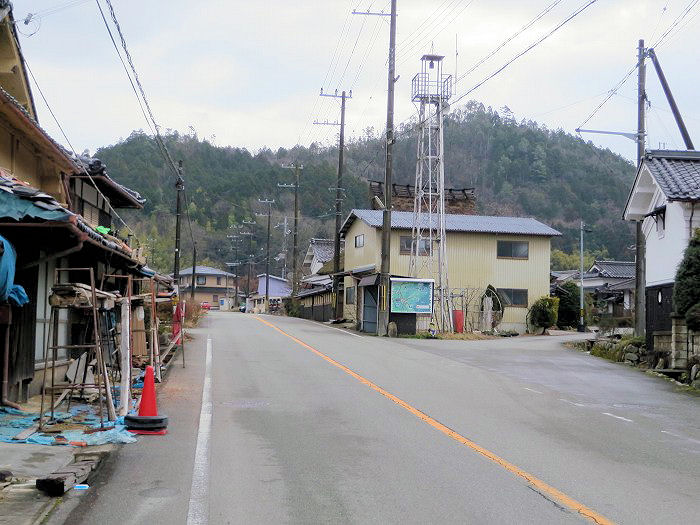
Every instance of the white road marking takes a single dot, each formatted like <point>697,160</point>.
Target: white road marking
<point>571,402</point>
<point>680,437</point>
<point>341,330</point>
<point>198,512</point>
<point>617,417</point>
<point>533,390</point>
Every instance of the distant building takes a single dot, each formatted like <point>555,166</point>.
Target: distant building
<point>511,254</point>
<point>211,284</point>
<point>279,289</point>
<point>319,252</point>
<point>665,197</point>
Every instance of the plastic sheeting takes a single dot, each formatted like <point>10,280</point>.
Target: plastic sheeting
<point>12,422</point>
<point>9,291</point>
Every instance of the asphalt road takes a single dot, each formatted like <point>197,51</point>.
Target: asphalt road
<point>312,424</point>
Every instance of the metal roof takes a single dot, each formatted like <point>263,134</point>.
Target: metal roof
<point>676,172</point>
<point>205,270</point>
<point>403,220</point>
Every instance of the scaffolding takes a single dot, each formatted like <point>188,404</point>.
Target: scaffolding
<point>431,89</point>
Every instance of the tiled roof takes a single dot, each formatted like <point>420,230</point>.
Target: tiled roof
<point>676,172</point>
<point>205,270</point>
<point>322,249</point>
<point>615,269</point>
<point>403,220</point>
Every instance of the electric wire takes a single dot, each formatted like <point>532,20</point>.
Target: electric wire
<point>524,28</point>
<point>536,43</point>
<point>411,37</point>
<point>432,30</point>
<point>158,137</point>
<point>78,162</point>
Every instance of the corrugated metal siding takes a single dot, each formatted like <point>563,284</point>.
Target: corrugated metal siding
<point>472,263</point>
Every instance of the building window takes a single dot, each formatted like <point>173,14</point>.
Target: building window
<point>513,297</point>
<point>350,295</point>
<point>513,249</point>
<point>215,299</point>
<point>201,279</point>
<point>406,243</point>
<point>359,241</point>
<point>218,280</point>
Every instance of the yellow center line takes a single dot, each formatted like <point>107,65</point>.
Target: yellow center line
<point>540,485</point>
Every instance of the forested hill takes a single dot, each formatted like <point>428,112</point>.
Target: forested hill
<point>516,168</point>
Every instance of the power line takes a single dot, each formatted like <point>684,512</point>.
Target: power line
<point>419,30</point>
<point>449,16</point>
<point>524,28</point>
<point>684,13</point>
<point>158,137</point>
<point>529,48</point>
<point>75,154</point>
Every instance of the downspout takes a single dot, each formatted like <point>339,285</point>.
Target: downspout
<point>6,366</point>
<point>66,189</point>
<point>690,222</point>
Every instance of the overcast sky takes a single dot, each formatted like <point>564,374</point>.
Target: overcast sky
<point>248,74</point>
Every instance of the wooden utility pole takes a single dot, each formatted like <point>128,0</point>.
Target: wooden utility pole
<point>267,255</point>
<point>337,307</point>
<point>179,187</point>
<point>640,247</point>
<point>384,284</point>
<point>194,270</point>
<point>295,250</point>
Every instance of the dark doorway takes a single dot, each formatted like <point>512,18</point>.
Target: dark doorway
<point>369,309</point>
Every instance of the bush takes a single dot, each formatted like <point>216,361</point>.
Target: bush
<point>543,313</point>
<point>692,318</point>
<point>569,297</point>
<point>686,292</point>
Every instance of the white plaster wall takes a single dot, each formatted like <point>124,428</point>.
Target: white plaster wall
<point>664,252</point>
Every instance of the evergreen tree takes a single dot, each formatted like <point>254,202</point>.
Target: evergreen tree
<point>686,291</point>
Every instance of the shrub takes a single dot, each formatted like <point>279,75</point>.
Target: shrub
<point>686,292</point>
<point>543,313</point>
<point>569,297</point>
<point>692,318</point>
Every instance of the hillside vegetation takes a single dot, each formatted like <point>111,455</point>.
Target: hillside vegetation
<point>516,168</point>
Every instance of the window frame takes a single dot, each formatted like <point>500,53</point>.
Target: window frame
<point>509,294</point>
<point>201,282</point>
<point>218,280</point>
<point>350,291</point>
<point>409,251</point>
<point>359,240</point>
<point>511,242</point>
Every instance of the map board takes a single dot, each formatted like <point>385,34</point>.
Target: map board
<point>411,296</point>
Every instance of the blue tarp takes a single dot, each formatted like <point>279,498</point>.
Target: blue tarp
<point>12,422</point>
<point>9,291</point>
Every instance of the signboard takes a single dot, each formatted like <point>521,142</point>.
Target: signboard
<point>411,296</point>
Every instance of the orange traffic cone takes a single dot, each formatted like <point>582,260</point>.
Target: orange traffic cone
<point>147,421</point>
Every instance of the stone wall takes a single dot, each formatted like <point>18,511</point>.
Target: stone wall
<point>685,344</point>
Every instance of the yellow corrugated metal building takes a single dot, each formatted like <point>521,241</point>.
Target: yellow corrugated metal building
<point>509,253</point>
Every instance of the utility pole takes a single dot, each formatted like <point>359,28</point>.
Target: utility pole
<point>383,311</point>
<point>194,269</point>
<point>267,256</point>
<point>640,249</point>
<point>234,238</point>
<point>383,306</point>
<point>179,187</point>
<point>295,250</point>
<point>337,309</point>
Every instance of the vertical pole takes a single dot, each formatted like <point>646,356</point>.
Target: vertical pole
<point>295,250</point>
<point>640,266</point>
<point>338,312</point>
<point>582,317</point>
<point>267,261</point>
<point>194,270</point>
<point>235,259</point>
<point>179,186</point>
<point>250,264</point>
<point>383,310</point>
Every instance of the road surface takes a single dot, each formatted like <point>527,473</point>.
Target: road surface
<point>281,420</point>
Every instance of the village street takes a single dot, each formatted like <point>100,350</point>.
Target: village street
<point>293,436</point>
